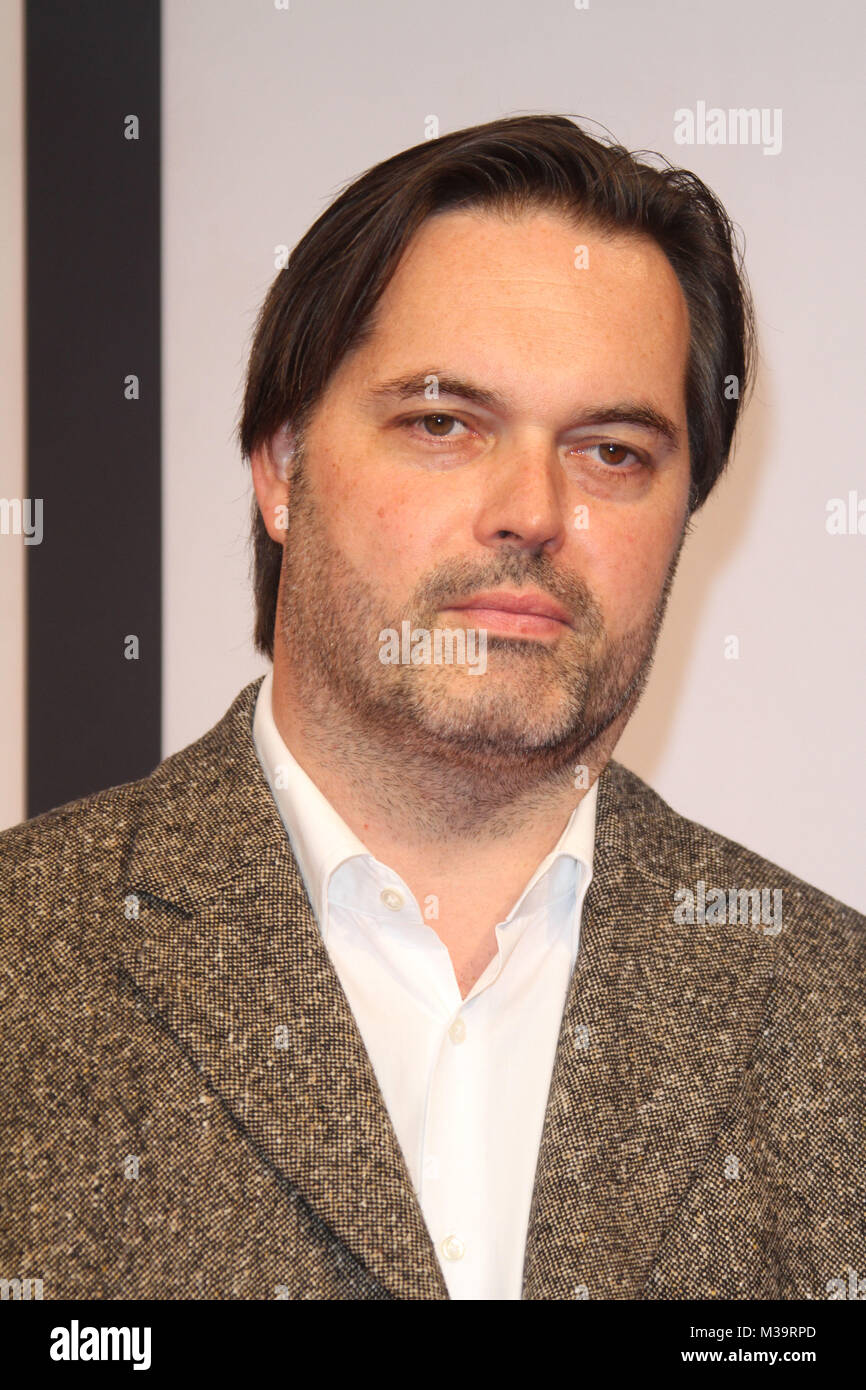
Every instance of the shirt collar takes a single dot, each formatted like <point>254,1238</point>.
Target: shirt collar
<point>322,841</point>
<point>320,838</point>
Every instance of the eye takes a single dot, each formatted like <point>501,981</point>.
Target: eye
<point>615,455</point>
<point>438,425</point>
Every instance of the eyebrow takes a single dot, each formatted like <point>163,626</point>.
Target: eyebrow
<point>640,413</point>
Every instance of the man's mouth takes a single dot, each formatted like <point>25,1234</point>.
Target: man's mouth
<point>526,614</point>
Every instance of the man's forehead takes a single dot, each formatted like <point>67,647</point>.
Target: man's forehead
<point>543,327</point>
<point>477,262</point>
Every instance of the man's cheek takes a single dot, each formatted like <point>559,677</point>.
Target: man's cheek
<point>399,535</point>
<point>616,571</point>
<point>627,588</point>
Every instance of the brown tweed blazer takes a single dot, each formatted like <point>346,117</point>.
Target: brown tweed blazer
<point>187,1109</point>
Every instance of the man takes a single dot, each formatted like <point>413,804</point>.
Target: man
<point>395,984</point>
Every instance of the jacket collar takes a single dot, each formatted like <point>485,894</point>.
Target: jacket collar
<point>657,1029</point>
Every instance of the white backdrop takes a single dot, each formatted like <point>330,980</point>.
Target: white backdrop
<point>268,111</point>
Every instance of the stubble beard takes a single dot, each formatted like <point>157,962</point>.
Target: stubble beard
<point>536,710</point>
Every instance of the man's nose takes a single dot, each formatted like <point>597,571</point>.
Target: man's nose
<point>523,502</point>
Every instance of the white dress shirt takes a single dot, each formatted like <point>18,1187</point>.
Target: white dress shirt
<point>465,1081</point>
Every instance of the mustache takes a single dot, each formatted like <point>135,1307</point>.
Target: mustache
<point>455,579</point>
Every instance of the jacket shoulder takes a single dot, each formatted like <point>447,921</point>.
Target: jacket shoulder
<point>52,854</point>
<point>822,941</point>
<point>72,855</point>
<point>672,847</point>
<point>78,841</point>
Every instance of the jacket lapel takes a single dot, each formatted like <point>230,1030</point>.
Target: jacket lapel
<point>227,956</point>
<point>657,1030</point>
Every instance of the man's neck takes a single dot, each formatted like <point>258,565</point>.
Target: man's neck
<point>428,814</point>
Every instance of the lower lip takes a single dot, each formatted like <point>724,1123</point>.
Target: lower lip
<point>519,624</point>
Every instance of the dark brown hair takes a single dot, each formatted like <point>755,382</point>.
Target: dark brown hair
<point>320,307</point>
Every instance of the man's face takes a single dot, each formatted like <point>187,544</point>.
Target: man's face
<point>542,469</point>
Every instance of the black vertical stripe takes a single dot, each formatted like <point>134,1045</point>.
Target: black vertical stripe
<point>93,318</point>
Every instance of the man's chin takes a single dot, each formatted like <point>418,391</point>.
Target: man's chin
<point>495,722</point>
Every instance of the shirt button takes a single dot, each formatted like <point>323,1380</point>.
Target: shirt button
<point>392,899</point>
<point>457,1031</point>
<point>453,1248</point>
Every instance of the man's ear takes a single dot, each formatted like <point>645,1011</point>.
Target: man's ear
<point>272,464</point>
